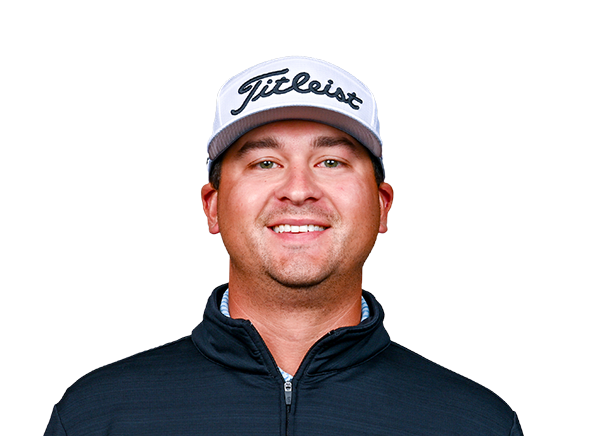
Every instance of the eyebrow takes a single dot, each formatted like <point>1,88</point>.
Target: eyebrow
<point>264,143</point>
<point>334,141</point>
<point>319,142</point>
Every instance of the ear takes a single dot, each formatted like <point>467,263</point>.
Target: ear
<point>209,203</point>
<point>386,196</point>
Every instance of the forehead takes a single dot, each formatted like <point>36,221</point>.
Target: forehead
<point>293,134</point>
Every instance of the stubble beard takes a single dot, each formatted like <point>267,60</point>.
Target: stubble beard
<point>299,275</point>
<point>298,268</point>
<point>306,279</point>
<point>300,272</point>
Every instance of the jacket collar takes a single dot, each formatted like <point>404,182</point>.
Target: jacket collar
<point>235,343</point>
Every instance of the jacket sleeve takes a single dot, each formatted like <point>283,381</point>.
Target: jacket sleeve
<point>516,428</point>
<point>55,427</point>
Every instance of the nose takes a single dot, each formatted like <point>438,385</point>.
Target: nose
<point>299,186</point>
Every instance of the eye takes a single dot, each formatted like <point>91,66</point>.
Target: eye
<point>331,163</point>
<point>266,164</point>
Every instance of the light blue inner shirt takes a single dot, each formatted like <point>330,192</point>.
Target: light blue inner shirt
<point>364,308</point>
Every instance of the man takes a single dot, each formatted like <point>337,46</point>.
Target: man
<point>291,345</point>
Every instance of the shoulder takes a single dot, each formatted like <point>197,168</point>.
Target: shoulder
<point>417,371</point>
<point>142,365</point>
<point>133,389</point>
<point>419,381</point>
<point>120,385</point>
<point>166,390</point>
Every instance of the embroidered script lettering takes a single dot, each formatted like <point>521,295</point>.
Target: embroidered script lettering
<point>297,84</point>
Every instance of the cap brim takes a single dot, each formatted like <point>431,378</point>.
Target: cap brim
<point>352,126</point>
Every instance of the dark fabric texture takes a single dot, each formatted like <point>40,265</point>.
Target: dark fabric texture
<point>222,380</point>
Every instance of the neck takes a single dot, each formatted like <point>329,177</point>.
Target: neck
<point>291,320</point>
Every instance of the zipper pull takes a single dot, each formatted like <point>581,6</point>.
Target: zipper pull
<point>287,391</point>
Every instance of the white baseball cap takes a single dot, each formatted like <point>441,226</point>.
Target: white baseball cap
<point>294,88</point>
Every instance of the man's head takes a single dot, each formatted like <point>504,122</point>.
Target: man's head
<point>297,201</point>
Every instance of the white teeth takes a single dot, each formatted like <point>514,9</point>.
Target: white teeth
<point>286,228</point>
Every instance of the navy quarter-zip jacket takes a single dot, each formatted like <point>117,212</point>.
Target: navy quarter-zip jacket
<point>222,380</point>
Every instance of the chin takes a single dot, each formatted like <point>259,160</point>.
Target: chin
<point>299,279</point>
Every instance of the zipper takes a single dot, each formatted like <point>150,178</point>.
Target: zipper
<point>287,385</point>
<point>287,392</point>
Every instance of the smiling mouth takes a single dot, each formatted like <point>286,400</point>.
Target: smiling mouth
<point>286,228</point>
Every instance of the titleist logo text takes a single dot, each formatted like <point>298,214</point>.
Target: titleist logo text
<point>252,85</point>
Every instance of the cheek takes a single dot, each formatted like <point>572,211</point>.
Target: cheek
<point>357,205</point>
<point>240,203</point>
<point>356,194</point>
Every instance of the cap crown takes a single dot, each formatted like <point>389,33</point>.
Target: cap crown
<point>294,88</point>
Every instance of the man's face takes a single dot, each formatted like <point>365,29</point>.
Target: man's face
<point>298,204</point>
